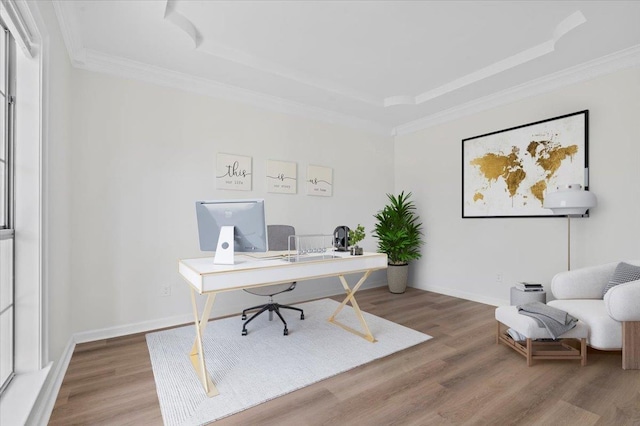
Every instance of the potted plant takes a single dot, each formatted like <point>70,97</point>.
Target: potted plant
<point>355,236</point>
<point>399,234</point>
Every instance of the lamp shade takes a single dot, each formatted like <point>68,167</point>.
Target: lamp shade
<point>570,200</point>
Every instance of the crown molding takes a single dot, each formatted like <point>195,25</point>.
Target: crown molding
<point>95,61</point>
<point>100,62</point>
<point>626,58</point>
<point>122,67</point>
<point>548,46</point>
<point>68,25</point>
<point>227,53</point>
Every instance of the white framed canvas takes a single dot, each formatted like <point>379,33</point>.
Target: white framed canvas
<point>282,177</point>
<point>319,181</point>
<point>507,173</point>
<point>233,172</point>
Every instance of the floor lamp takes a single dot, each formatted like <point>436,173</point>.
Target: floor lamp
<point>569,200</point>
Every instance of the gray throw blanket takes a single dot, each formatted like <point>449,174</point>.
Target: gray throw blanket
<point>556,322</point>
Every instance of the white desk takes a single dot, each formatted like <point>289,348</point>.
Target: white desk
<point>208,279</point>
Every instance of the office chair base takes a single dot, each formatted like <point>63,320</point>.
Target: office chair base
<point>269,307</point>
<point>244,316</point>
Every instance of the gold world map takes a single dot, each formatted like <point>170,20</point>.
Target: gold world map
<point>548,156</point>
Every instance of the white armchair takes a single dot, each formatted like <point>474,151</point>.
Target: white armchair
<point>613,321</point>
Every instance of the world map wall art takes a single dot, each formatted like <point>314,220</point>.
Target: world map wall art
<point>508,173</point>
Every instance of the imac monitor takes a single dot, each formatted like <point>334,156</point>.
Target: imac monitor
<point>229,226</point>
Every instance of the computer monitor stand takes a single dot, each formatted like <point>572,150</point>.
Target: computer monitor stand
<point>225,250</point>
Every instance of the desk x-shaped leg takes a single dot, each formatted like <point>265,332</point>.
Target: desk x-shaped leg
<point>351,298</point>
<point>197,351</point>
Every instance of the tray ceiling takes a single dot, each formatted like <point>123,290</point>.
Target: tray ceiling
<point>381,65</point>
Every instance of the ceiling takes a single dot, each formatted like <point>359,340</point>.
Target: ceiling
<point>386,66</point>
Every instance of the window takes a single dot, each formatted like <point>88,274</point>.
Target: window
<point>7,359</point>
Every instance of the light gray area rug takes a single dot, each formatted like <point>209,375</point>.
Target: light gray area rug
<point>249,370</point>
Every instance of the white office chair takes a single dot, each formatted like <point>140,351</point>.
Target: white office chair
<point>278,240</point>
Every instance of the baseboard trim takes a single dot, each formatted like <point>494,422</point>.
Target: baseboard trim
<point>146,326</point>
<point>466,295</point>
<point>124,330</point>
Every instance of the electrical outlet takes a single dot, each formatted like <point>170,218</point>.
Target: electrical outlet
<point>165,291</point>
<point>499,277</point>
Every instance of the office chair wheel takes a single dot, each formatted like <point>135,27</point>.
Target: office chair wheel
<point>244,317</point>
<point>301,316</point>
<point>244,332</point>
<point>286,331</point>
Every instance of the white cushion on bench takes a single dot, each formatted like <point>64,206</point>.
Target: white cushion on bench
<point>528,327</point>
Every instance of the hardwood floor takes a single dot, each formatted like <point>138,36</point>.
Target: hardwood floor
<point>461,376</point>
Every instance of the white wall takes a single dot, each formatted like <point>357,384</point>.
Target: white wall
<point>142,154</point>
<point>463,257</point>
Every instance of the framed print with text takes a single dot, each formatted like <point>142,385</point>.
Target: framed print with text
<point>320,181</point>
<point>282,177</point>
<point>233,172</point>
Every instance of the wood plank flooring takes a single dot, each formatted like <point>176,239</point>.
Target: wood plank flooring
<point>461,376</point>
